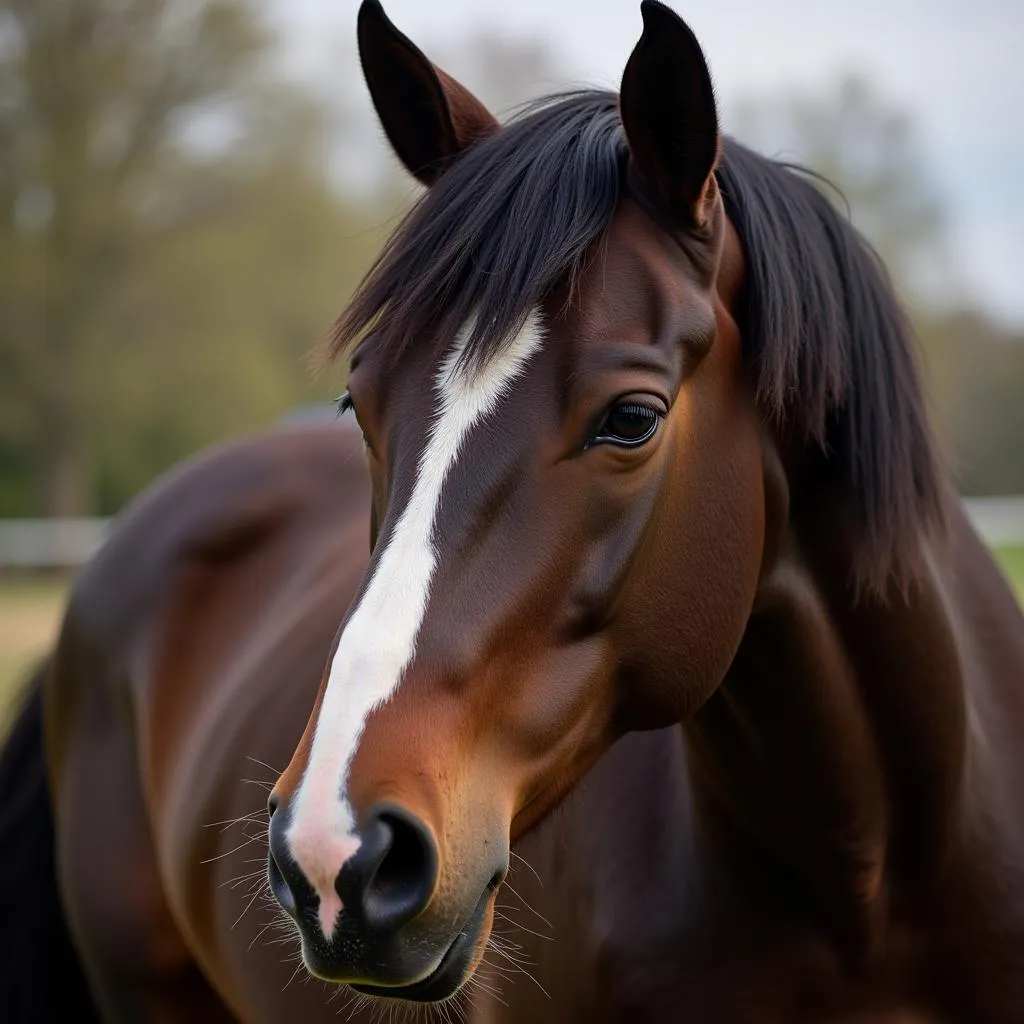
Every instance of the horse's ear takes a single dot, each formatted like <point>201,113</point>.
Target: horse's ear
<point>428,117</point>
<point>668,111</point>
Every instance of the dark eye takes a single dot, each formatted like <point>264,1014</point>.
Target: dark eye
<point>628,424</point>
<point>345,404</point>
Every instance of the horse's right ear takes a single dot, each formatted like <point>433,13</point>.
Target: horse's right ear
<point>428,117</point>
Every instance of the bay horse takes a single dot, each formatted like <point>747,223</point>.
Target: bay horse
<point>671,683</point>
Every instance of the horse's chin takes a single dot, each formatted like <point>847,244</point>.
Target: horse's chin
<point>454,967</point>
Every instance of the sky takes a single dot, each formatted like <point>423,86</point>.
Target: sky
<point>956,66</point>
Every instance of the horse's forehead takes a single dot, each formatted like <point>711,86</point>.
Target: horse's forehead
<point>636,269</point>
<point>447,412</point>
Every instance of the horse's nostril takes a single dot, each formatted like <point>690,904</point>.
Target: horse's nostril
<point>272,804</point>
<point>391,878</point>
<point>407,863</point>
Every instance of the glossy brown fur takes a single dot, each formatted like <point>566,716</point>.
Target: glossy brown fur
<point>739,788</point>
<point>231,579</point>
<point>650,903</point>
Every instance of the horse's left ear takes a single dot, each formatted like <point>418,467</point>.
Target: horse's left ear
<point>428,117</point>
<point>668,111</point>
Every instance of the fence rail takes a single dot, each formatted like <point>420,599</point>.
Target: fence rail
<point>41,544</point>
<point>49,543</point>
<point>999,520</point>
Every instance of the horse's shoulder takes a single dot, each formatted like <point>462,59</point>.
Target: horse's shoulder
<point>216,509</point>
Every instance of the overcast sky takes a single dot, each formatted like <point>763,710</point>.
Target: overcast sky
<point>956,65</point>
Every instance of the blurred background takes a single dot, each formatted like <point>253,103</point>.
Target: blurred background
<point>190,190</point>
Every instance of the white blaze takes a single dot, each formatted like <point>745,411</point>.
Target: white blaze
<point>379,640</point>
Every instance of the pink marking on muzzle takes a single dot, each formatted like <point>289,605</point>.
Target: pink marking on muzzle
<point>320,853</point>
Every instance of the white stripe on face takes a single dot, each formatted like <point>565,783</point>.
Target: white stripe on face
<point>379,641</point>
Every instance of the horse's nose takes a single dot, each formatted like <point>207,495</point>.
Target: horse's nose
<point>392,876</point>
<point>387,881</point>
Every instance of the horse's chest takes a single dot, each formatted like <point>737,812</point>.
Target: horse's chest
<point>696,975</point>
<point>804,981</point>
<point>638,926</point>
<point>886,1017</point>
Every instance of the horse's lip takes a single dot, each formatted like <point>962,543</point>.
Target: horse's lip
<point>446,979</point>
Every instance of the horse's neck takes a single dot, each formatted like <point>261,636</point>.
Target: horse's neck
<point>835,748</point>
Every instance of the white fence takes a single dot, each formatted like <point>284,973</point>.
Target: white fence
<point>30,544</point>
<point>998,520</point>
<point>49,543</point>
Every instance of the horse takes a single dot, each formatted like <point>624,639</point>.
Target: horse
<point>671,681</point>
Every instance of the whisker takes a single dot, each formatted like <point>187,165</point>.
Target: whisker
<point>244,912</point>
<point>512,951</point>
<point>497,949</point>
<point>529,866</point>
<point>506,885</point>
<point>241,846</point>
<point>492,990</point>
<point>259,935</point>
<point>268,786</point>
<point>233,883</point>
<point>522,927</point>
<point>298,967</point>
<point>262,764</point>
<point>228,822</point>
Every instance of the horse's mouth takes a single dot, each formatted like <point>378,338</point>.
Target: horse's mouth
<point>450,974</point>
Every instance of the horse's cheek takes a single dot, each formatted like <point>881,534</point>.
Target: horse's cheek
<point>696,580</point>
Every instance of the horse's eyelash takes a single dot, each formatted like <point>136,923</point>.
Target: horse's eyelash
<point>344,403</point>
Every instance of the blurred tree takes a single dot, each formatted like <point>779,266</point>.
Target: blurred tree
<point>504,72</point>
<point>168,245</point>
<point>94,92</point>
<point>214,328</point>
<point>869,150</point>
<point>977,377</point>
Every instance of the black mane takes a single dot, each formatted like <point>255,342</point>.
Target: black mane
<point>828,348</point>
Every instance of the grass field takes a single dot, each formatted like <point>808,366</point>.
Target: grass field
<point>1012,561</point>
<point>30,612</point>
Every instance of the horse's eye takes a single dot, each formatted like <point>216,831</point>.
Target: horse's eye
<point>628,424</point>
<point>345,404</point>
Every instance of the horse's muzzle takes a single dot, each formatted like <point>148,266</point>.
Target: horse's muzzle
<point>385,941</point>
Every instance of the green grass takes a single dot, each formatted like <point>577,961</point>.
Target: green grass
<point>30,611</point>
<point>1012,561</point>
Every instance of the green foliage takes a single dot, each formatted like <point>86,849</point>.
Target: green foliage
<point>976,371</point>
<point>215,327</point>
<point>170,247</point>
